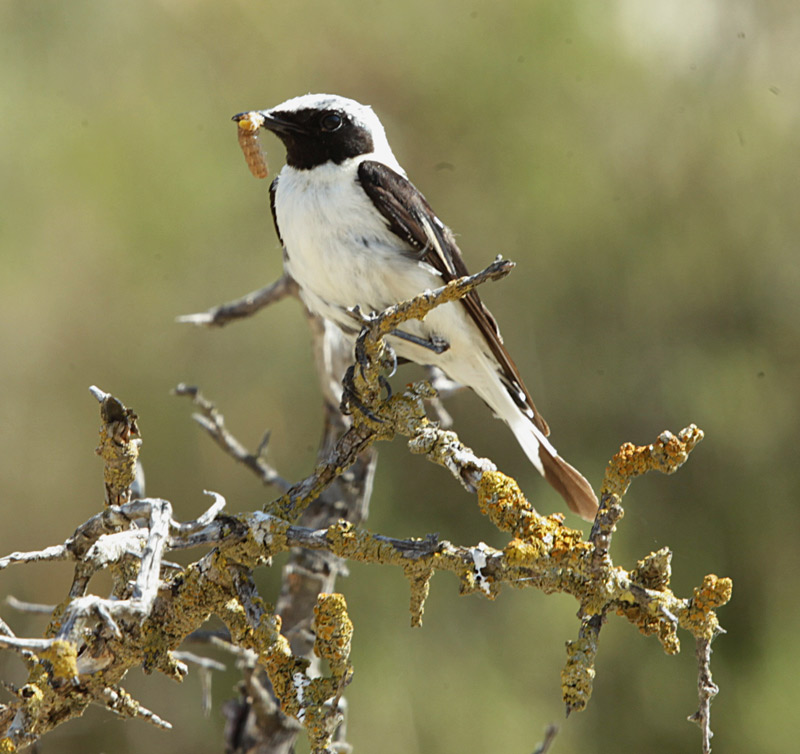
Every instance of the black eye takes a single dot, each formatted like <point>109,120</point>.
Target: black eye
<point>331,122</point>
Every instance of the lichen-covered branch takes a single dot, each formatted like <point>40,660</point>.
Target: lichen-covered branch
<point>119,447</point>
<point>92,641</point>
<point>254,720</point>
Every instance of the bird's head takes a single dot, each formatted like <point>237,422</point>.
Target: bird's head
<point>324,128</point>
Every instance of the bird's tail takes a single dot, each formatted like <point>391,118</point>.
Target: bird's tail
<point>483,375</point>
<point>565,479</point>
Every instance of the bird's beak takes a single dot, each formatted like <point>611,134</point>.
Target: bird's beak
<point>271,122</point>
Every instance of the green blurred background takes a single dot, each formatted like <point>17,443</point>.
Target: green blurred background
<point>639,161</point>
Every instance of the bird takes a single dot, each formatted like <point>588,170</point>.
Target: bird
<point>356,232</point>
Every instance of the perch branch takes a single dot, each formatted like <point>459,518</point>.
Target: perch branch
<point>92,642</point>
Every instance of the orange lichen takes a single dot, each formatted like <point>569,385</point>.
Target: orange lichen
<point>334,631</point>
<point>700,617</point>
<point>501,499</point>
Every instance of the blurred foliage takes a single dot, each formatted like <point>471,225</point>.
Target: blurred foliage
<point>638,160</point>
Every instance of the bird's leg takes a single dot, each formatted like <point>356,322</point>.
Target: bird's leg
<point>436,343</point>
<point>366,363</point>
<point>351,399</point>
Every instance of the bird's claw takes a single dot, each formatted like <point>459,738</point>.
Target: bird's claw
<point>384,383</point>
<point>351,399</point>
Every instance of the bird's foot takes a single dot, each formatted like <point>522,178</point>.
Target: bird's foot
<point>435,343</point>
<point>351,398</point>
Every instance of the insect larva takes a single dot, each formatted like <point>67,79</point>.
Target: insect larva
<point>249,125</point>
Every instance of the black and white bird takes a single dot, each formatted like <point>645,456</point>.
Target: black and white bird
<point>355,231</point>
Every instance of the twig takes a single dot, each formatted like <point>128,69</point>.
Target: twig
<point>56,552</point>
<point>25,645</point>
<point>221,315</point>
<point>5,629</point>
<point>204,519</point>
<point>550,733</point>
<point>444,387</point>
<point>28,607</point>
<point>404,413</point>
<point>204,667</point>
<point>214,424</point>
<point>706,689</point>
<point>120,701</point>
<point>149,546</point>
<point>119,447</point>
<point>202,662</point>
<point>666,455</point>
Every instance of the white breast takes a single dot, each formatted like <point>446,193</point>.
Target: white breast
<point>339,248</point>
<point>341,253</point>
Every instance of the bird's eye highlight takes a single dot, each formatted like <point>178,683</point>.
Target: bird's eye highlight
<point>331,122</point>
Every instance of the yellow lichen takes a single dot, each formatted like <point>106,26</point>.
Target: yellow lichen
<point>63,656</point>
<point>667,455</point>
<point>652,624</point>
<point>654,571</point>
<point>577,677</point>
<point>524,552</point>
<point>699,617</point>
<point>501,499</point>
<point>418,573</point>
<point>334,631</point>
<point>714,593</point>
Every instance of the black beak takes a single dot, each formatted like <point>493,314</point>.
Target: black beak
<point>273,123</point>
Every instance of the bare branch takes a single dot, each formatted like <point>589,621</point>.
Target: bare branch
<point>204,667</point>
<point>706,689</point>
<point>201,662</point>
<point>550,734</point>
<point>204,519</point>
<point>56,552</point>
<point>214,424</point>
<point>247,306</point>
<point>29,607</point>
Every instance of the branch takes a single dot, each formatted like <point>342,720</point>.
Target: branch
<point>214,424</point>
<point>219,316</point>
<point>376,419</point>
<point>255,719</point>
<point>706,689</point>
<point>119,447</point>
<point>92,641</point>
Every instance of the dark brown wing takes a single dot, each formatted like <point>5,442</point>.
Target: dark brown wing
<point>410,217</point>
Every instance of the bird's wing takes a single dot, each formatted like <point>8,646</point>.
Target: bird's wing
<point>273,189</point>
<point>411,218</point>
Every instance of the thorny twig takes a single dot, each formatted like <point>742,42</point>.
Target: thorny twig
<point>92,642</point>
